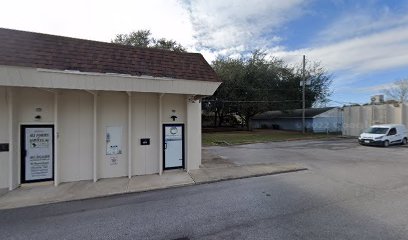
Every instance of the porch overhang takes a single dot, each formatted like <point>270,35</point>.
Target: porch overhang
<point>57,79</point>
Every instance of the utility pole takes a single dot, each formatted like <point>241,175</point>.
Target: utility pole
<point>303,95</point>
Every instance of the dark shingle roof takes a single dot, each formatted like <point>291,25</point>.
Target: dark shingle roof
<point>29,49</point>
<point>295,113</point>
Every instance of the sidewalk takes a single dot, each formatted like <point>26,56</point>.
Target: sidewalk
<point>31,195</point>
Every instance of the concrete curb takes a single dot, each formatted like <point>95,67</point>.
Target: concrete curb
<point>194,181</point>
<point>249,176</point>
<point>209,175</point>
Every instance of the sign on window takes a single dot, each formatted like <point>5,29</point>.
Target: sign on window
<point>113,140</point>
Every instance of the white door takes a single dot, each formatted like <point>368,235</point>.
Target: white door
<point>37,153</point>
<point>393,136</point>
<point>173,146</point>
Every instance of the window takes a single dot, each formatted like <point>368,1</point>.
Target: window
<point>392,131</point>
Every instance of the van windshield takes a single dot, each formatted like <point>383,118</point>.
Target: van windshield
<point>376,130</point>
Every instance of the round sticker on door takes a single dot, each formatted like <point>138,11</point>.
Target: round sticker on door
<point>173,130</point>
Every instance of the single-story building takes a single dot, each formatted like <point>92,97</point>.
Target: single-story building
<point>317,120</point>
<point>74,109</point>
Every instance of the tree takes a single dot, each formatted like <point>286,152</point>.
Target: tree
<point>229,70</point>
<point>398,91</point>
<point>143,38</point>
<point>172,45</point>
<point>257,84</point>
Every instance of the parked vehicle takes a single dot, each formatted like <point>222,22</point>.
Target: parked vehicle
<point>384,135</point>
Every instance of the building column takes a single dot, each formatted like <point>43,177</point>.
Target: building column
<point>11,138</point>
<point>129,134</point>
<point>160,135</point>
<point>95,136</point>
<point>56,140</point>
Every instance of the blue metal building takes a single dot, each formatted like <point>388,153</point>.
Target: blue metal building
<point>317,120</point>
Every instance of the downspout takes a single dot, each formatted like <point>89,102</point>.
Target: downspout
<point>160,135</point>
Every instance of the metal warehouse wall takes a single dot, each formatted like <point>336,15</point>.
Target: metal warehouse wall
<point>329,121</point>
<point>358,118</point>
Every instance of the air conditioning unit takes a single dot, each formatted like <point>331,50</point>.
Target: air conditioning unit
<point>377,99</point>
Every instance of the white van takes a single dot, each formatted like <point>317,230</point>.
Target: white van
<point>384,135</point>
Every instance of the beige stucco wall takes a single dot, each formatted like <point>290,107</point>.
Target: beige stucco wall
<point>112,112</point>
<point>27,100</point>
<point>177,103</point>
<point>145,119</point>
<point>153,101</point>
<point>75,130</point>
<point>4,138</point>
<point>358,118</point>
<point>193,134</point>
<point>27,103</point>
<point>75,117</point>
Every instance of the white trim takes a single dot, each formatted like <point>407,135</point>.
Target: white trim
<point>19,146</point>
<point>36,123</point>
<point>55,79</point>
<point>48,90</point>
<point>173,122</point>
<point>113,75</point>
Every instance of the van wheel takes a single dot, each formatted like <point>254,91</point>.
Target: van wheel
<point>386,143</point>
<point>404,141</point>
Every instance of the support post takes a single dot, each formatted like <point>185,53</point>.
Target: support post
<point>129,134</point>
<point>56,140</point>
<point>95,136</point>
<point>11,136</point>
<point>160,135</point>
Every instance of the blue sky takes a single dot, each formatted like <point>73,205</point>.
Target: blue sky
<point>330,22</point>
<point>364,44</point>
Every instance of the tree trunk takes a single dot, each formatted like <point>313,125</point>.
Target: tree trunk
<point>215,118</point>
<point>248,126</point>
<point>220,119</point>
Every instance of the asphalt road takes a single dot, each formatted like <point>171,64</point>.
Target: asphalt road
<point>349,192</point>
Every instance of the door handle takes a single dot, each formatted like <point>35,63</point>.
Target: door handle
<point>165,146</point>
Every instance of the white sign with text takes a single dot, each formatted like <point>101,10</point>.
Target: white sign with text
<point>39,153</point>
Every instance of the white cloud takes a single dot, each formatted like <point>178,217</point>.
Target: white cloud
<point>360,23</point>
<point>382,50</point>
<point>99,19</point>
<point>374,89</point>
<point>232,26</point>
